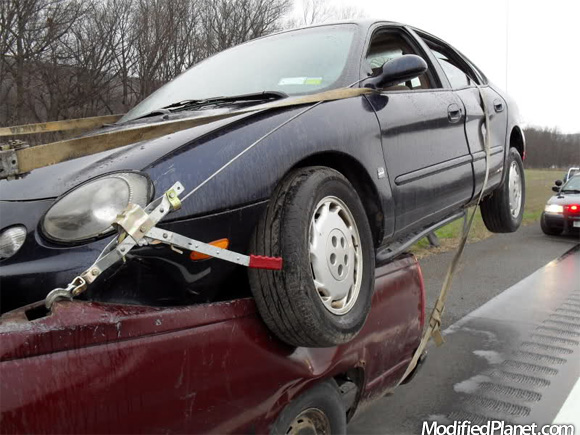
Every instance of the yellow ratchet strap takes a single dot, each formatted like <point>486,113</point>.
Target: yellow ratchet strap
<point>68,124</point>
<point>434,326</point>
<point>20,161</point>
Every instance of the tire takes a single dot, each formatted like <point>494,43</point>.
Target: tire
<point>318,410</point>
<point>296,310</point>
<point>549,230</point>
<point>500,211</point>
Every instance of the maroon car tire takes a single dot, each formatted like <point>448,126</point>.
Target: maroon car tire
<point>318,410</point>
<point>316,222</point>
<point>503,210</point>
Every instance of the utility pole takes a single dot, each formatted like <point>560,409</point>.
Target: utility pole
<point>507,44</point>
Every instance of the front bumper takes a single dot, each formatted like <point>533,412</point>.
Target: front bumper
<point>155,276</point>
<point>562,221</point>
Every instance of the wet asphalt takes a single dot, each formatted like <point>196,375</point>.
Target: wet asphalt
<point>488,268</point>
<point>491,266</point>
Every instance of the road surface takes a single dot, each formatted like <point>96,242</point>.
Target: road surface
<point>512,352</point>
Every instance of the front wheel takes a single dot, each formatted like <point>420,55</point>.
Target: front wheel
<point>503,211</point>
<point>316,222</point>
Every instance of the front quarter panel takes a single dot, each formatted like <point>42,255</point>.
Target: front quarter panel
<point>346,126</point>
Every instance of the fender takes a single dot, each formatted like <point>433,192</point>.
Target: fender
<point>337,126</point>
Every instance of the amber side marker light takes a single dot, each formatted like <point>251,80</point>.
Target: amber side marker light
<point>221,243</point>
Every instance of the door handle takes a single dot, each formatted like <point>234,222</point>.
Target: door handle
<point>498,105</point>
<point>453,113</point>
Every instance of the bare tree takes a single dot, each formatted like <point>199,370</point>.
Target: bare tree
<point>230,22</point>
<point>549,148</point>
<point>315,11</point>
<point>309,12</point>
<point>71,58</point>
<point>30,28</point>
<point>125,55</point>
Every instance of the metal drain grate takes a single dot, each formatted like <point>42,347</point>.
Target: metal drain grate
<point>552,339</point>
<point>559,331</point>
<point>540,347</point>
<point>528,367</point>
<point>503,391</point>
<point>499,406</point>
<point>570,326</point>
<point>540,358</point>
<point>519,378</point>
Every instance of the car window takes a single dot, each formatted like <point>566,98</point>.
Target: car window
<point>479,76</point>
<point>386,46</point>
<point>571,172</point>
<point>456,75</point>
<point>303,61</point>
<point>572,184</point>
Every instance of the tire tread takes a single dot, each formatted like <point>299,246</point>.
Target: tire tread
<point>289,317</point>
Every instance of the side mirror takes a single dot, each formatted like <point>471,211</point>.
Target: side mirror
<point>555,189</point>
<point>400,69</point>
<point>558,183</point>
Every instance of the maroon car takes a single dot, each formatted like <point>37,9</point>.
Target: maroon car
<point>93,368</point>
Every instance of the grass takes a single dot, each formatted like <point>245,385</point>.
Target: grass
<point>538,189</point>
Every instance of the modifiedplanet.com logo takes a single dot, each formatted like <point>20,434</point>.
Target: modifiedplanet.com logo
<point>495,427</point>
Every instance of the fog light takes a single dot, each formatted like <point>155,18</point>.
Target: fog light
<point>11,240</point>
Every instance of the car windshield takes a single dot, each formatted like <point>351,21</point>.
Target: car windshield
<point>298,62</point>
<point>572,184</point>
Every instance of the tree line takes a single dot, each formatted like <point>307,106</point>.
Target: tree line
<point>549,148</point>
<point>65,59</point>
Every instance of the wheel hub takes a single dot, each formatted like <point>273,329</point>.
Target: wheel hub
<point>335,255</point>
<point>311,421</point>
<point>338,251</point>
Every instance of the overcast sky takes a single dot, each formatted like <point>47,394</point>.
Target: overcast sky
<point>543,47</point>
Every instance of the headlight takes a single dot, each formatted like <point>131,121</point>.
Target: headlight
<point>11,240</point>
<point>87,211</point>
<point>554,208</point>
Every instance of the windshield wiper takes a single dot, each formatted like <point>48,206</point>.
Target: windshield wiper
<point>570,191</point>
<point>258,97</point>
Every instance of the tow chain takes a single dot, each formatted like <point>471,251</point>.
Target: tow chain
<point>137,227</point>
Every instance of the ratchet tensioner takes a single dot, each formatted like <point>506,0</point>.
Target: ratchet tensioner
<point>136,227</point>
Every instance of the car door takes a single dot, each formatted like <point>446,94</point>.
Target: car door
<point>464,78</point>
<point>427,157</point>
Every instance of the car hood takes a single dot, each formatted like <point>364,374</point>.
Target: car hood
<point>565,199</point>
<point>53,181</point>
